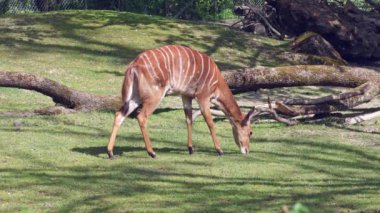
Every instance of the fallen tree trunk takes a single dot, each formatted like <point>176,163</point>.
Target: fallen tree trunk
<point>248,79</point>
<point>361,118</point>
<point>365,84</point>
<point>69,99</point>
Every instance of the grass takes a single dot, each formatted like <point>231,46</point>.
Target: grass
<point>58,163</point>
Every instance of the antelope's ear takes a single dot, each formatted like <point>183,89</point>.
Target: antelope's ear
<point>247,119</point>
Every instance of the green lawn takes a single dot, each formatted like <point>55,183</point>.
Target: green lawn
<point>59,164</point>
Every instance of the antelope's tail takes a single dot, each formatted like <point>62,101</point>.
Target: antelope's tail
<point>128,86</point>
<point>127,91</point>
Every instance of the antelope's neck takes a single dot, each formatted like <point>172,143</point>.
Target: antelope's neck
<point>229,105</point>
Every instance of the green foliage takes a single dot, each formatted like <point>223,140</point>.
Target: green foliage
<point>197,9</point>
<point>361,4</point>
<point>185,9</point>
<point>213,9</point>
<point>3,6</point>
<point>299,208</point>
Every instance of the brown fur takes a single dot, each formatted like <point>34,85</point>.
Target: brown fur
<point>181,71</point>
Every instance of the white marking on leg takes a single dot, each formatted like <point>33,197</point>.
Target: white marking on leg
<point>120,120</point>
<point>243,150</point>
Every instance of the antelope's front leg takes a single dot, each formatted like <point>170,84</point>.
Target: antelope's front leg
<point>205,108</point>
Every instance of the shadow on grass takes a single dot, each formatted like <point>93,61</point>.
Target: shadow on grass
<point>348,128</point>
<point>325,174</point>
<point>97,151</point>
<point>179,183</point>
<point>70,25</point>
<point>77,27</point>
<point>326,146</point>
<point>120,187</point>
<point>112,72</point>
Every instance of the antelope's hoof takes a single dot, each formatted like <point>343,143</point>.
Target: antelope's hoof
<point>114,157</point>
<point>220,152</point>
<point>191,151</point>
<point>153,155</point>
<point>110,154</point>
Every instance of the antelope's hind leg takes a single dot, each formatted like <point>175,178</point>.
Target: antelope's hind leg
<point>120,116</point>
<point>189,121</point>
<point>150,103</point>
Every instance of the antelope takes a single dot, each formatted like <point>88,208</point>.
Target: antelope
<point>179,70</point>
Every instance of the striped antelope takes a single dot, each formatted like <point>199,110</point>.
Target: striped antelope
<point>181,71</point>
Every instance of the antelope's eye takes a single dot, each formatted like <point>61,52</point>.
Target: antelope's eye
<point>250,133</point>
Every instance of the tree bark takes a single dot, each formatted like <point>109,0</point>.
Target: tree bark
<point>365,84</point>
<point>61,94</point>
<point>249,79</point>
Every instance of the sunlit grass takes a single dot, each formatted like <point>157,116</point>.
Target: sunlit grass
<point>80,48</point>
<point>59,164</point>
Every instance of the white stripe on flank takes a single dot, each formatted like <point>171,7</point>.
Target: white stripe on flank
<point>167,62</point>
<point>158,65</point>
<point>187,69</point>
<point>194,66</point>
<point>150,67</point>
<point>180,69</point>
<point>171,62</point>
<point>164,57</point>
<point>216,80</point>
<point>213,74</point>
<point>201,71</point>
<point>208,72</point>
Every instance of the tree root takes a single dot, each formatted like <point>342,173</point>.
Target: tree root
<point>362,118</point>
<point>257,111</point>
<point>328,104</point>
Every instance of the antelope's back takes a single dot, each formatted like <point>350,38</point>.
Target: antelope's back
<point>181,69</point>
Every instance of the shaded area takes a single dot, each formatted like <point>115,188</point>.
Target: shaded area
<point>77,28</point>
<point>286,165</point>
<point>336,178</point>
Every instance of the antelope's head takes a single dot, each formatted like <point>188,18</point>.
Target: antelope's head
<point>242,132</point>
